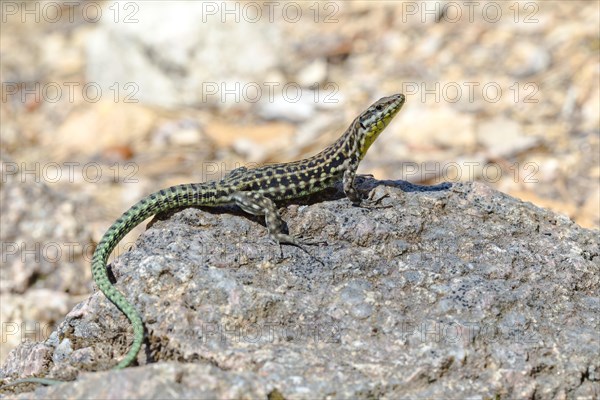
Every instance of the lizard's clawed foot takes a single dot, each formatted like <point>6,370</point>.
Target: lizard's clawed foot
<point>372,203</point>
<point>313,243</point>
<point>301,247</point>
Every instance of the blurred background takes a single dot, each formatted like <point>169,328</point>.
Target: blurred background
<point>105,102</point>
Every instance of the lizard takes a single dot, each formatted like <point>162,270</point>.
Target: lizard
<point>255,191</point>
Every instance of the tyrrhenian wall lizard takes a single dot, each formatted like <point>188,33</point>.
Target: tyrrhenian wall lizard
<point>254,191</point>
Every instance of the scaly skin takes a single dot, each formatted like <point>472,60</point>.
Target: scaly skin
<point>254,191</point>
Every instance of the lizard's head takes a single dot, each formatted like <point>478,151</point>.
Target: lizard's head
<point>374,120</point>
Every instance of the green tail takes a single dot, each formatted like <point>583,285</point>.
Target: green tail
<point>41,381</point>
<point>173,197</point>
<point>163,200</point>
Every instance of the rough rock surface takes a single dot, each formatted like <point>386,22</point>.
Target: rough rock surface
<point>453,290</point>
<point>41,279</point>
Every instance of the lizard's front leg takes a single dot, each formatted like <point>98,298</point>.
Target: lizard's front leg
<point>354,195</point>
<point>349,189</point>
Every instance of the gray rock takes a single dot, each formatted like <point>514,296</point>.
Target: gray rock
<point>289,109</point>
<point>43,243</point>
<point>453,290</point>
<point>206,57</point>
<point>313,73</point>
<point>33,211</point>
